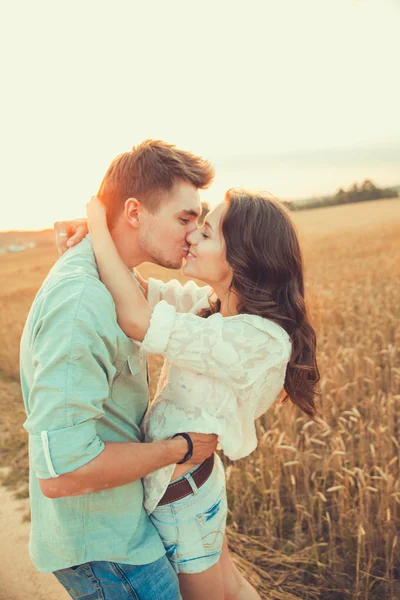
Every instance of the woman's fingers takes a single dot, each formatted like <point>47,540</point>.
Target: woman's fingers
<point>80,233</point>
<point>69,233</point>
<point>61,234</point>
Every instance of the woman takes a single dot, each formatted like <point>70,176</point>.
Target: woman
<point>231,349</point>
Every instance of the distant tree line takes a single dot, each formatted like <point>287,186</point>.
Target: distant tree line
<point>356,193</point>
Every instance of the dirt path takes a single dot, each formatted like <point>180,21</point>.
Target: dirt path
<point>19,580</point>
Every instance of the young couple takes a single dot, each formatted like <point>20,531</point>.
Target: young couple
<point>112,517</point>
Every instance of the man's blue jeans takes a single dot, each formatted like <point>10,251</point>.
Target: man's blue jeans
<point>101,580</point>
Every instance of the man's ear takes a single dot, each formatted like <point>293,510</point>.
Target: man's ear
<point>132,209</point>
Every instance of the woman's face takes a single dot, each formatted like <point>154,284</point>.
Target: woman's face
<point>207,258</point>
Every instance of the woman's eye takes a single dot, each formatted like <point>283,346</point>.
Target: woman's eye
<point>205,236</point>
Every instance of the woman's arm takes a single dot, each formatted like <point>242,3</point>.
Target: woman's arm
<point>133,311</point>
<point>236,349</point>
<point>183,296</point>
<point>70,233</point>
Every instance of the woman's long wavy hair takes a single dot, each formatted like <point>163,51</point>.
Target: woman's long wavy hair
<point>263,251</point>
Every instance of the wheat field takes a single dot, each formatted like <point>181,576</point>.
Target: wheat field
<point>315,510</point>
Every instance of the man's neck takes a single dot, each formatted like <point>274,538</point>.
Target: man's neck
<point>128,247</point>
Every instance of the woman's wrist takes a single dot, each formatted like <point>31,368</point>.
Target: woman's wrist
<point>97,224</point>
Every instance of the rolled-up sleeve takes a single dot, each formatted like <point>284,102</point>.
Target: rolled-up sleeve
<point>59,451</point>
<point>72,349</point>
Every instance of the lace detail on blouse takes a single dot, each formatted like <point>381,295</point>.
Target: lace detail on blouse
<point>220,374</point>
<point>183,297</point>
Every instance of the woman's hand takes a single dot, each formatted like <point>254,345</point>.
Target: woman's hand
<point>96,213</point>
<point>69,233</point>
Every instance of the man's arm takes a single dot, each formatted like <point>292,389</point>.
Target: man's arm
<point>124,462</point>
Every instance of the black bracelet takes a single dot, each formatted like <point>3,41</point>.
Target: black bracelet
<point>189,453</point>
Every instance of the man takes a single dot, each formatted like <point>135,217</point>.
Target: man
<point>85,391</point>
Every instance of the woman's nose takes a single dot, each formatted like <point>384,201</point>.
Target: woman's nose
<point>191,238</point>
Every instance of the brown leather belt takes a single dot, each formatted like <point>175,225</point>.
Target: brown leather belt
<point>182,488</point>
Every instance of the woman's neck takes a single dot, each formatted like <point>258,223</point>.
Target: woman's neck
<point>229,303</point>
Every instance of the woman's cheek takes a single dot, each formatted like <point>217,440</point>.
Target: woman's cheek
<point>213,264</point>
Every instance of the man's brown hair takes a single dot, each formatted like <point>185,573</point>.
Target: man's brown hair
<point>147,172</point>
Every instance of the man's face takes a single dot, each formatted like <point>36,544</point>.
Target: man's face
<point>162,235</point>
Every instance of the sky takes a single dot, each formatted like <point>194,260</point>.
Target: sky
<point>295,96</point>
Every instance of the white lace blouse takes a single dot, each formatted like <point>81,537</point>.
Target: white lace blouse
<point>220,373</point>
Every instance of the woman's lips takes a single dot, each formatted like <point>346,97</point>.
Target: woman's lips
<point>190,256</point>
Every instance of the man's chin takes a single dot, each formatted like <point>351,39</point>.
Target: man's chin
<point>171,264</point>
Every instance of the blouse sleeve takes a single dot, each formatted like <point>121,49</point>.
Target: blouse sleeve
<point>227,348</point>
<point>182,297</point>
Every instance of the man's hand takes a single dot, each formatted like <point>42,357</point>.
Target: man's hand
<point>204,444</point>
<point>69,233</point>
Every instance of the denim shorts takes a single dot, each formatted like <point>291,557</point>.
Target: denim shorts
<point>192,528</point>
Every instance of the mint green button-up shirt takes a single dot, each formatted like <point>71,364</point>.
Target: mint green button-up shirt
<point>84,383</point>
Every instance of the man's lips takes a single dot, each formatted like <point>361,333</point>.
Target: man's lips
<point>188,253</point>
